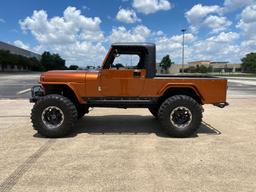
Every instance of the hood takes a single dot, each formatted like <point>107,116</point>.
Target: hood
<point>67,76</point>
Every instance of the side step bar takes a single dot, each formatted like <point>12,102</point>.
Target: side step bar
<point>120,102</point>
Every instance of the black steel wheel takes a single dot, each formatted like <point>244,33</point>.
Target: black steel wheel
<point>180,116</point>
<point>53,116</point>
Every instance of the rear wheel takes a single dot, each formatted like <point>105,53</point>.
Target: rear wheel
<point>180,116</point>
<point>53,116</point>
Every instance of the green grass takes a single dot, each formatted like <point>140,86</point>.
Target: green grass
<point>235,74</point>
<point>223,74</point>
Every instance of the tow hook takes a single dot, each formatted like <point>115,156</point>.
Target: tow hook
<point>36,92</point>
<point>221,105</point>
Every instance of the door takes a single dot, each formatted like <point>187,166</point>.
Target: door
<point>123,78</point>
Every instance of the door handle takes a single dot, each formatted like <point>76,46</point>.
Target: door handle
<point>137,74</point>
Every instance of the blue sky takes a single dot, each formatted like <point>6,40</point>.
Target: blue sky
<point>81,31</point>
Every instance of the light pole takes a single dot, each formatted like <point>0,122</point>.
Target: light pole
<point>183,44</point>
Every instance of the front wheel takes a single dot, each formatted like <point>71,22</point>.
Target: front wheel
<point>180,116</point>
<point>53,116</point>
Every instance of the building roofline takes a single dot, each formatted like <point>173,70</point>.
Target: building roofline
<point>18,48</point>
<point>200,61</point>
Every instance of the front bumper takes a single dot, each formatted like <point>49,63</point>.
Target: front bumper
<point>36,93</point>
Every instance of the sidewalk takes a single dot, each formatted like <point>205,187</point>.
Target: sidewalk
<point>245,82</point>
<point>241,80</point>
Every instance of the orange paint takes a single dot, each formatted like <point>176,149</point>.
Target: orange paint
<point>122,83</point>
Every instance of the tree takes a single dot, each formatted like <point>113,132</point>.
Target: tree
<point>249,63</point>
<point>52,61</point>
<point>35,65</point>
<point>210,69</point>
<point>198,69</point>
<point>7,58</point>
<point>203,69</point>
<point>166,63</point>
<point>73,67</point>
<point>190,69</point>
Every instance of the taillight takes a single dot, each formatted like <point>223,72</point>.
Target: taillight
<point>41,78</point>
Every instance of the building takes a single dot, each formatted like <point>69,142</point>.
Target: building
<point>226,67</point>
<point>219,63</point>
<point>203,62</point>
<point>216,67</point>
<point>18,51</point>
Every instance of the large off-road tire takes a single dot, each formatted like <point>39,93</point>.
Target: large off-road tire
<point>53,116</point>
<point>180,116</point>
<point>81,111</point>
<point>154,111</point>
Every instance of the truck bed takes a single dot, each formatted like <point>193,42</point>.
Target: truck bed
<point>210,89</point>
<point>185,76</point>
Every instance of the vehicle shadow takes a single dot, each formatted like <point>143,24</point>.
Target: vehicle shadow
<point>129,125</point>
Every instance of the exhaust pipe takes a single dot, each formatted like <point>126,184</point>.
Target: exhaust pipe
<point>221,105</point>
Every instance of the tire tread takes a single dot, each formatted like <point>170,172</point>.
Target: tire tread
<point>166,123</point>
<point>36,111</point>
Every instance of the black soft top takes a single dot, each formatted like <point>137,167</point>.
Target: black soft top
<point>148,50</point>
<point>134,44</point>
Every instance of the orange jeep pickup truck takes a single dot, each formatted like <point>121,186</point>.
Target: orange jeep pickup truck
<point>127,79</point>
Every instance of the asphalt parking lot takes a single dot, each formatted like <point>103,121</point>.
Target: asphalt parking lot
<point>124,150</point>
<point>12,84</point>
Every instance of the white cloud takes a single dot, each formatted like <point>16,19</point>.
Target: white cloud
<point>159,33</point>
<point>231,5</point>
<point>189,37</point>
<point>172,45</point>
<point>215,50</point>
<point>20,44</point>
<point>249,14</point>
<point>247,23</point>
<point>247,46</point>
<point>77,38</point>
<point>136,34</point>
<point>2,20</point>
<point>198,13</point>
<point>61,30</point>
<point>151,6</point>
<point>217,23</point>
<point>224,37</point>
<point>127,16</point>
<point>221,47</point>
<point>84,7</point>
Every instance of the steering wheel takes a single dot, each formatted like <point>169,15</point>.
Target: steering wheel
<point>119,65</point>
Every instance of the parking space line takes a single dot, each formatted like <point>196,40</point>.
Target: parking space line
<point>15,84</point>
<point>14,177</point>
<point>23,91</point>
